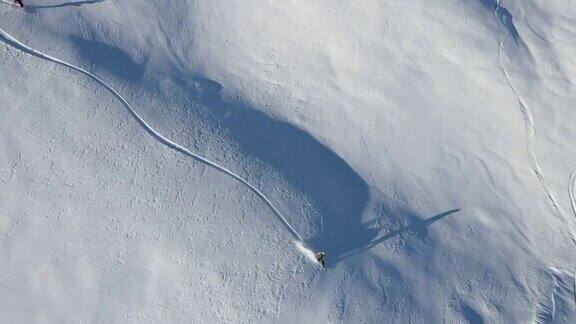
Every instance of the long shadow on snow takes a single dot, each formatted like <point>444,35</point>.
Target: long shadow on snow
<point>418,226</point>
<point>109,58</point>
<point>338,192</point>
<point>34,8</point>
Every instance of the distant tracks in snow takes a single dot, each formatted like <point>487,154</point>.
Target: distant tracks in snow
<point>529,125</point>
<point>11,41</point>
<point>531,132</point>
<point>572,192</point>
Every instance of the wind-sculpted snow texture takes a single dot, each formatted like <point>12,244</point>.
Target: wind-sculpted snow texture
<point>426,146</point>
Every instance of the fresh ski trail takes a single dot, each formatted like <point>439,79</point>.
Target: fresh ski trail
<point>307,252</point>
<point>13,42</point>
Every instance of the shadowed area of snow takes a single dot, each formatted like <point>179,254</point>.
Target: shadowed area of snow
<point>425,147</point>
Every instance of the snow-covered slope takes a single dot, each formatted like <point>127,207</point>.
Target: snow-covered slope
<point>427,147</point>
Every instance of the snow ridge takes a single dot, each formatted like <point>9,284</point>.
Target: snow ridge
<point>11,41</point>
<point>529,125</point>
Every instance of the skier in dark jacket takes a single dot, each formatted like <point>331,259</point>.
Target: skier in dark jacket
<point>19,2</point>
<point>320,257</point>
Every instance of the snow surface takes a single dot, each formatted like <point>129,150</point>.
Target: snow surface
<point>427,147</point>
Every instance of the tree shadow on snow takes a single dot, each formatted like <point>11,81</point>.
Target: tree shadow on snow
<point>34,8</point>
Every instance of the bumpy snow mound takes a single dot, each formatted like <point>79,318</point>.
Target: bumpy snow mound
<point>426,147</point>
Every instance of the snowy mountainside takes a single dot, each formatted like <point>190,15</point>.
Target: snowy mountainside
<point>426,147</point>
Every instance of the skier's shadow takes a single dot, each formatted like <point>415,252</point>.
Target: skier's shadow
<point>418,227</point>
<point>34,8</point>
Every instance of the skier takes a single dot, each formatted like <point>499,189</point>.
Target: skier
<point>320,256</point>
<point>19,3</point>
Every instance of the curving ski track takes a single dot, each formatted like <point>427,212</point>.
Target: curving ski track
<point>11,41</point>
<point>529,125</point>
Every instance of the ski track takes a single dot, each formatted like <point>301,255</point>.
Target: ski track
<point>13,42</point>
<point>572,192</point>
<point>530,127</point>
<point>309,254</point>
